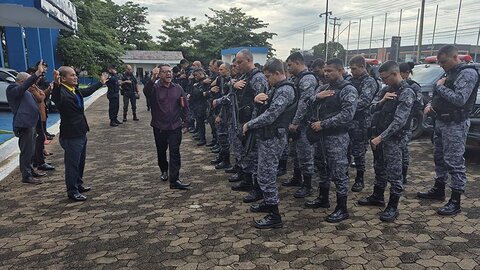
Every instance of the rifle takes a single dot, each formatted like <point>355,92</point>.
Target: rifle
<point>250,137</point>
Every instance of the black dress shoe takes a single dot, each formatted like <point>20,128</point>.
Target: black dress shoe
<point>179,185</point>
<point>46,167</point>
<point>83,189</point>
<point>113,124</point>
<point>201,143</point>
<point>164,176</point>
<point>77,197</point>
<point>118,122</point>
<point>38,174</point>
<point>32,180</point>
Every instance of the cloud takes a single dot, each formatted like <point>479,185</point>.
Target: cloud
<point>289,18</point>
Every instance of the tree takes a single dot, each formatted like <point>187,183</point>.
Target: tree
<point>105,30</point>
<point>223,29</point>
<point>178,34</point>
<point>335,50</point>
<point>130,21</point>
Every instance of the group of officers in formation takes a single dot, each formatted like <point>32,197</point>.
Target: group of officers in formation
<point>321,116</point>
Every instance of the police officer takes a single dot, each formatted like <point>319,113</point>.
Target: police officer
<point>367,87</point>
<point>221,89</point>
<point>406,71</point>
<point>392,109</point>
<point>129,92</point>
<point>279,107</point>
<point>453,99</point>
<point>305,84</point>
<point>113,95</point>
<point>198,97</point>
<point>253,83</point>
<point>317,67</point>
<point>335,105</point>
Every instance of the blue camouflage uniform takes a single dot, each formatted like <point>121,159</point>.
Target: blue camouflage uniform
<point>367,88</point>
<point>270,148</point>
<point>391,122</point>
<point>300,148</point>
<point>452,103</point>
<point>331,152</point>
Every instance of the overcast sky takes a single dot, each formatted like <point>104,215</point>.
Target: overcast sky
<point>290,18</point>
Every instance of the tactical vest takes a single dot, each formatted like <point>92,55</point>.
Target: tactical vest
<point>284,120</point>
<point>386,115</point>
<point>246,98</point>
<point>358,84</point>
<point>444,108</point>
<point>300,77</point>
<point>332,106</point>
<point>419,104</point>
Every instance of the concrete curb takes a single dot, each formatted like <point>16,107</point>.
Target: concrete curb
<point>9,152</point>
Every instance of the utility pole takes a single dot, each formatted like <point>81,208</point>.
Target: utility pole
<point>458,20</point>
<point>359,30</point>
<point>326,13</point>
<point>384,33</point>
<point>476,48</point>
<point>371,34</point>
<point>348,41</point>
<point>303,40</point>
<point>420,34</point>
<point>416,32</point>
<point>434,29</point>
<point>400,22</point>
<point>335,24</point>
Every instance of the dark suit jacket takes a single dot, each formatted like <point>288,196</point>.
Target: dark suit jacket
<point>23,104</point>
<point>73,122</point>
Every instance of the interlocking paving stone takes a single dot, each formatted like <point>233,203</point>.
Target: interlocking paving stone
<point>132,220</point>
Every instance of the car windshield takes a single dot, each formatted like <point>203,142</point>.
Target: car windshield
<point>426,74</point>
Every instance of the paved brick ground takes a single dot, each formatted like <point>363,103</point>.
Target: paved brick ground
<point>133,220</point>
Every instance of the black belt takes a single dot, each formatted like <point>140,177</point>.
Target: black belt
<point>455,116</point>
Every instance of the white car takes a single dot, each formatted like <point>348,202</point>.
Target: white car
<point>7,77</point>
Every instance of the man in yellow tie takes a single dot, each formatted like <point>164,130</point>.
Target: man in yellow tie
<point>73,126</point>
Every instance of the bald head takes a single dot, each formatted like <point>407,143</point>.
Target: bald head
<point>244,61</point>
<point>68,76</point>
<point>21,77</point>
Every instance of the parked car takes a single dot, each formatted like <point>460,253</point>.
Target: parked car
<point>7,77</point>
<point>473,136</point>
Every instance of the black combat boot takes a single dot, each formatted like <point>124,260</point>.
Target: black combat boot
<point>225,163</point>
<point>217,160</point>
<point>212,143</point>
<point>437,192</point>
<point>233,169</point>
<point>306,189</point>
<point>245,184</point>
<point>261,207</point>
<point>282,167</point>
<point>255,194</point>
<point>271,220</point>
<point>295,181</point>
<point>391,211</point>
<point>124,117</point>
<point>135,118</point>
<point>321,201</point>
<point>453,205</point>
<point>404,174</point>
<point>236,176</point>
<point>376,199</point>
<point>358,185</point>
<point>341,212</point>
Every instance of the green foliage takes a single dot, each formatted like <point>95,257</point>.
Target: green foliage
<point>335,50</point>
<point>105,30</point>
<point>223,29</point>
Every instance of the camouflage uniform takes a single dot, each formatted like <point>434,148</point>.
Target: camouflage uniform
<point>449,137</point>
<point>367,87</point>
<point>335,142</point>
<point>270,149</point>
<point>301,149</point>
<point>221,111</point>
<point>388,155</point>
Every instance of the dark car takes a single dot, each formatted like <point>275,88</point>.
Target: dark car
<point>473,137</point>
